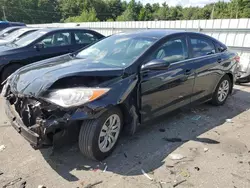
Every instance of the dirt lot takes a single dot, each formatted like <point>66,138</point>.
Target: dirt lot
<point>214,152</point>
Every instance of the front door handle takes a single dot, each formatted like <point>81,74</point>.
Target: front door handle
<point>188,72</point>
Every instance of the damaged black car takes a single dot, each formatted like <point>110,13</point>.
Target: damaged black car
<point>116,85</point>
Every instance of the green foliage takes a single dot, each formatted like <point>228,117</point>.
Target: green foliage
<point>86,16</point>
<point>48,11</point>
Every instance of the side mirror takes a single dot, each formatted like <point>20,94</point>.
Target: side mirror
<point>156,64</point>
<point>39,46</point>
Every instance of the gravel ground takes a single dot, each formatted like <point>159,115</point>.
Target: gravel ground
<point>212,152</point>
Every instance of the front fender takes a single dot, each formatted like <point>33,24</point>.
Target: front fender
<point>120,94</point>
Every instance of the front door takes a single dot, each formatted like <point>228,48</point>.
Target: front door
<point>165,90</point>
<point>54,44</point>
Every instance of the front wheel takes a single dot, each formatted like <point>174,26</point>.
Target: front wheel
<point>222,91</point>
<point>98,138</point>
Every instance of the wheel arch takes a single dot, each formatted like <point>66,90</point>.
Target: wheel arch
<point>230,75</point>
<point>4,67</point>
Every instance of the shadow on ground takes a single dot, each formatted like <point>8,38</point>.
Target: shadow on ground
<point>149,147</point>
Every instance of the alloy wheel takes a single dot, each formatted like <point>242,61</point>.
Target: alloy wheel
<point>109,133</point>
<point>223,90</point>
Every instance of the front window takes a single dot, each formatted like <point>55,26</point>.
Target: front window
<point>118,50</point>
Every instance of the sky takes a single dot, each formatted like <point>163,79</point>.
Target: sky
<point>185,3</point>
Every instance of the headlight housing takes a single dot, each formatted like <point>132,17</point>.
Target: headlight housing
<point>73,97</point>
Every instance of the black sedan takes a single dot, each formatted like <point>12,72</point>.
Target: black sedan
<point>117,84</point>
<point>43,44</point>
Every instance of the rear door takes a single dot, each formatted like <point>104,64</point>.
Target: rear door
<point>54,44</point>
<point>165,90</point>
<point>207,64</point>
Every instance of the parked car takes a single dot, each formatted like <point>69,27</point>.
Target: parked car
<point>244,70</point>
<point>5,24</point>
<point>116,84</point>
<point>8,30</point>
<point>16,35</point>
<point>43,44</point>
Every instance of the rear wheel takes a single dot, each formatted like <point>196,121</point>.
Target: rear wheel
<point>222,91</point>
<point>98,138</point>
<point>9,70</point>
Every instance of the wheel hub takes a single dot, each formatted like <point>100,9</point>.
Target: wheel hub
<point>109,133</point>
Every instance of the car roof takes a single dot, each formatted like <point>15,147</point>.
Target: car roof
<point>51,29</point>
<point>30,28</point>
<point>153,33</point>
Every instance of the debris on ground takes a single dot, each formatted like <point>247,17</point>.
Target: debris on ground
<point>196,118</point>
<point>23,184</point>
<point>1,173</point>
<point>229,120</point>
<point>178,183</point>
<point>125,155</point>
<point>162,130</point>
<point>41,186</point>
<point>183,161</point>
<point>173,139</point>
<point>13,182</point>
<point>145,174</point>
<point>197,168</point>
<point>170,166</point>
<point>105,169</point>
<point>206,149</point>
<point>94,184</point>
<point>185,173</point>
<point>2,147</point>
<point>176,156</point>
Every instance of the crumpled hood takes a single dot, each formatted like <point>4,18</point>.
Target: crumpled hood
<point>35,79</point>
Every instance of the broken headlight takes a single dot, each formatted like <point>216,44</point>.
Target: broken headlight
<point>75,96</point>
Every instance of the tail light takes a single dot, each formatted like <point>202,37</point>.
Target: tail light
<point>237,59</point>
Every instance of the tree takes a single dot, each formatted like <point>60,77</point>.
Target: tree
<point>130,14</point>
<point>162,13</point>
<point>114,8</point>
<point>86,16</point>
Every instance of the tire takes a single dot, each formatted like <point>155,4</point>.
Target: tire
<point>7,71</point>
<point>217,99</point>
<point>89,137</point>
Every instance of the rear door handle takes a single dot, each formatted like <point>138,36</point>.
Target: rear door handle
<point>219,60</point>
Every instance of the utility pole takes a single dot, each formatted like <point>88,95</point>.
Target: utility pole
<point>4,13</point>
<point>237,9</point>
<point>212,14</point>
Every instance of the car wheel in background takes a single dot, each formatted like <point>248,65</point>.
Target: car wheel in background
<point>222,91</point>
<point>98,138</point>
<point>7,71</point>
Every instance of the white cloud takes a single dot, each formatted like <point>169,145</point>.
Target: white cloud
<point>185,3</point>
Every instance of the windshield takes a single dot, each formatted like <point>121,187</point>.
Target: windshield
<point>5,32</point>
<point>15,34</point>
<point>28,39</point>
<point>117,50</point>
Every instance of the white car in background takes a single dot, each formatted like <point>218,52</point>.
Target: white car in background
<point>244,69</point>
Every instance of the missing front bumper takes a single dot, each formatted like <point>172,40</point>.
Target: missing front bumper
<point>34,139</point>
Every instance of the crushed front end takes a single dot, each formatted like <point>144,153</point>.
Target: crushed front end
<point>37,121</point>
